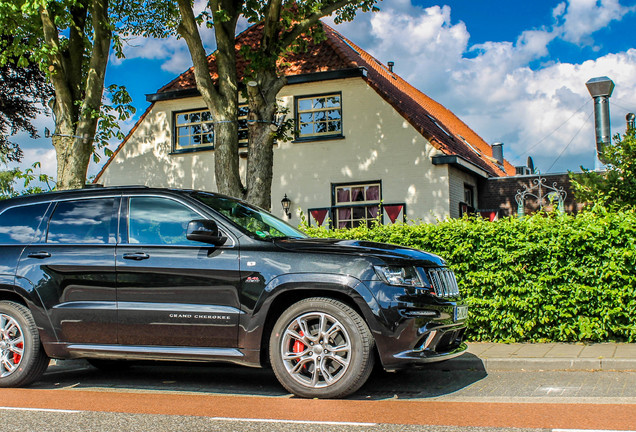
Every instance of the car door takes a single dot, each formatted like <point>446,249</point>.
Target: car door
<point>172,291</point>
<point>72,267</point>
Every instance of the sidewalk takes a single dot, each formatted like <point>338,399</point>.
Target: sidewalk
<point>548,356</point>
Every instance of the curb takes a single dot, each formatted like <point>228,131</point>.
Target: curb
<point>471,362</point>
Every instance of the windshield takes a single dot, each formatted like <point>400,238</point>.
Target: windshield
<point>251,220</point>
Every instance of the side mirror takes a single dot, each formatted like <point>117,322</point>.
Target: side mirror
<point>206,231</point>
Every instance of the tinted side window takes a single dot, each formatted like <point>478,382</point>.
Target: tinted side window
<point>18,224</point>
<point>159,221</point>
<point>81,222</point>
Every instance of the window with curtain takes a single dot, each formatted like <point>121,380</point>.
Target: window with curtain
<point>319,116</point>
<point>356,204</point>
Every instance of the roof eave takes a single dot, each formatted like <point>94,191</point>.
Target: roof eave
<point>292,79</point>
<point>460,163</point>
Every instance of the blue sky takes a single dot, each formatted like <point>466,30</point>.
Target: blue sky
<point>513,71</point>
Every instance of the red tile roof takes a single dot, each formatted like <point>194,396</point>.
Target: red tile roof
<point>436,123</point>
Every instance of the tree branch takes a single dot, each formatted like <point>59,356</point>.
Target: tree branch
<point>63,95</point>
<point>304,25</point>
<point>94,89</point>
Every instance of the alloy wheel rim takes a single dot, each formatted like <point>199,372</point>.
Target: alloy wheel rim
<point>316,350</point>
<point>11,345</point>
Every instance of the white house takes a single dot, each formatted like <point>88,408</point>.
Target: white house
<point>364,139</point>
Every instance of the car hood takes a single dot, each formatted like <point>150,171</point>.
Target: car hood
<point>384,251</point>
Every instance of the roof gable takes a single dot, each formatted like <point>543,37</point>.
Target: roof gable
<point>431,119</point>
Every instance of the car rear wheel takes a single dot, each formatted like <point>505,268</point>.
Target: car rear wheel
<point>321,348</point>
<point>22,358</point>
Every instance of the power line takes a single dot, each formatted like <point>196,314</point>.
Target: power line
<point>528,150</point>
<point>566,147</point>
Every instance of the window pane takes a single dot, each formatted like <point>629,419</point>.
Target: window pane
<point>81,222</point>
<point>243,110</point>
<point>18,224</point>
<point>306,118</point>
<point>183,130</point>
<point>184,141</point>
<point>334,126</point>
<point>182,118</point>
<point>333,101</point>
<point>304,104</point>
<point>372,212</point>
<point>196,129</point>
<point>333,115</point>
<point>208,139</point>
<point>343,195</point>
<point>196,139</point>
<point>373,193</point>
<point>159,221</point>
<point>242,135</point>
<point>359,212</point>
<point>321,127</point>
<point>206,116</point>
<point>357,194</point>
<point>320,116</point>
<point>306,129</point>
<point>195,117</point>
<point>319,103</point>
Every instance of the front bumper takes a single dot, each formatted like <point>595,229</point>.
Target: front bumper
<point>418,329</point>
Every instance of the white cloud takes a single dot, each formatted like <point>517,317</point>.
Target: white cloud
<point>578,19</point>
<point>543,112</point>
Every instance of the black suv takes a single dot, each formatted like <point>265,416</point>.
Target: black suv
<point>130,273</point>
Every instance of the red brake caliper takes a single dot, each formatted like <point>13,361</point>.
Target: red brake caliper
<point>298,345</point>
<point>298,348</point>
<point>17,357</point>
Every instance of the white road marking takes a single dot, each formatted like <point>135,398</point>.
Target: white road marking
<point>40,409</point>
<point>590,430</point>
<point>293,421</point>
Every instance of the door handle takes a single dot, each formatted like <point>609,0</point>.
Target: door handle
<point>39,255</point>
<point>136,256</point>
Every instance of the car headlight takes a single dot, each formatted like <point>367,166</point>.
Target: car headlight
<point>399,276</point>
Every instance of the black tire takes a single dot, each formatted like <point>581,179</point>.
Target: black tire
<point>19,332</point>
<point>324,364</point>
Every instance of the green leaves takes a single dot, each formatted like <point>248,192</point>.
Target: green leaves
<point>566,278</point>
<point>616,187</point>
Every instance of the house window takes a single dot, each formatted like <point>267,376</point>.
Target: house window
<point>356,204</point>
<point>243,111</point>
<point>469,195</point>
<point>194,130</point>
<point>319,116</point>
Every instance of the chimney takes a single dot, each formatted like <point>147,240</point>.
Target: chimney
<point>600,89</point>
<point>390,65</point>
<point>630,121</point>
<point>497,152</point>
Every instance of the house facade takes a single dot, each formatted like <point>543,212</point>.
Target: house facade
<point>365,143</point>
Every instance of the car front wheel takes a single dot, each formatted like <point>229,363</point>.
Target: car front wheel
<point>22,359</point>
<point>321,348</point>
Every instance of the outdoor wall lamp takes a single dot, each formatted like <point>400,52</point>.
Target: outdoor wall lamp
<point>286,203</point>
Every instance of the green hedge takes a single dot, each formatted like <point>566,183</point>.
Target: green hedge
<point>556,278</point>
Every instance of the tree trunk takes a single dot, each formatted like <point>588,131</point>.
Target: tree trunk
<point>77,109</point>
<point>73,156</point>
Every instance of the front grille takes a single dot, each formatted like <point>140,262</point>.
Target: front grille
<point>444,282</point>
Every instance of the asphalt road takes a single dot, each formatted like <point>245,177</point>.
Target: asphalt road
<point>169,397</point>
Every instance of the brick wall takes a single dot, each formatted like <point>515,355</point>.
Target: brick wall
<point>499,193</point>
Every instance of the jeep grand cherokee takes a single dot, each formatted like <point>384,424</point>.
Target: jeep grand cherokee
<point>129,273</point>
